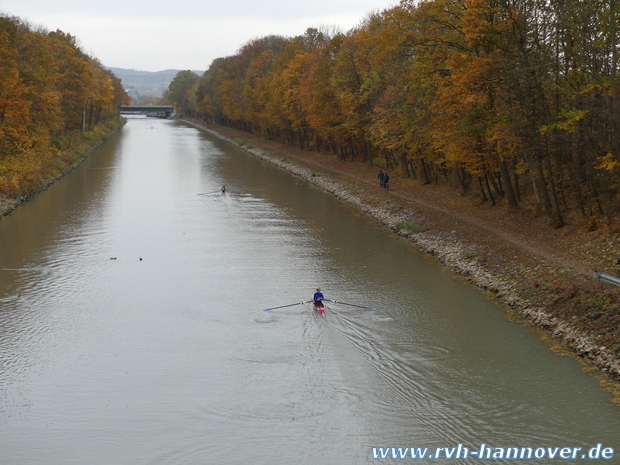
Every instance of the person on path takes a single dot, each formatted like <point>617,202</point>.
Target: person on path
<point>381,177</point>
<point>386,179</point>
<point>223,190</point>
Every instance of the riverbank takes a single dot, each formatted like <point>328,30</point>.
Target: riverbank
<point>540,275</point>
<point>89,143</point>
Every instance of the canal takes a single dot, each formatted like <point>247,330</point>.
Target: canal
<point>132,327</point>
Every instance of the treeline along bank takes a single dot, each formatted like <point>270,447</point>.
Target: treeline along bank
<point>56,103</point>
<point>514,101</point>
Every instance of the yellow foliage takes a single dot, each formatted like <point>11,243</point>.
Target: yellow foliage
<point>607,163</point>
<point>569,121</point>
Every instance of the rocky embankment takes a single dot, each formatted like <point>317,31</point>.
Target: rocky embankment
<point>447,248</point>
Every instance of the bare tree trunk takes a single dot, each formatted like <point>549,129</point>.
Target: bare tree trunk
<point>425,171</point>
<point>543,188</point>
<point>507,183</point>
<point>558,221</point>
<point>484,195</point>
<point>486,181</point>
<point>460,174</point>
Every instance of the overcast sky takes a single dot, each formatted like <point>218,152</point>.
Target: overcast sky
<point>153,35</point>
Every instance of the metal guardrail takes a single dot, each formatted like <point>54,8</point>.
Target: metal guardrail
<point>606,277</point>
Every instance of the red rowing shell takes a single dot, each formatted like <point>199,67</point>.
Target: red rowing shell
<point>320,308</point>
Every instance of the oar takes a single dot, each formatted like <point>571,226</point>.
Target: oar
<point>290,305</point>
<point>209,193</point>
<point>351,305</point>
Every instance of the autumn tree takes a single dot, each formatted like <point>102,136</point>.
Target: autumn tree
<point>14,105</point>
<point>514,101</point>
<point>179,91</point>
<point>51,96</point>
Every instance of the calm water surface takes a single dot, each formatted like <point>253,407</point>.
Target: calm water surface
<point>163,355</point>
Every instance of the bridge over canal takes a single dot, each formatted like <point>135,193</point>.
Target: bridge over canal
<point>159,111</point>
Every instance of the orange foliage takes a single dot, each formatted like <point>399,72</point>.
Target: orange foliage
<point>51,96</point>
<point>478,90</point>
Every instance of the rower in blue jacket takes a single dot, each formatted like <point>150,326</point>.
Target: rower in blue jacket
<point>318,298</point>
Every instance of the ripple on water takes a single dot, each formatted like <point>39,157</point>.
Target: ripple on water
<point>266,318</point>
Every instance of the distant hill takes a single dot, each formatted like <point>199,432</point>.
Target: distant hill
<point>142,83</point>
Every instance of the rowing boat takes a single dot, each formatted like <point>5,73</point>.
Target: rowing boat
<point>319,306</point>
